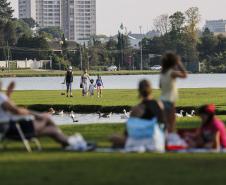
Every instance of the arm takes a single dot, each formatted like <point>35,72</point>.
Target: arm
<point>181,72</point>
<point>8,106</point>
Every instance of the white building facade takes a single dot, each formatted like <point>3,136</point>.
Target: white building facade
<point>77,18</point>
<point>216,26</point>
<point>47,13</point>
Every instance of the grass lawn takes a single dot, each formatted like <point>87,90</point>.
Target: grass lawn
<point>188,98</point>
<point>45,73</point>
<point>53,166</point>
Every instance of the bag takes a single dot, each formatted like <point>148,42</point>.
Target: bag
<point>144,135</point>
<point>81,86</point>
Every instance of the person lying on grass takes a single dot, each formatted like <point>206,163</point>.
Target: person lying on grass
<point>211,134</point>
<point>39,125</point>
<point>147,109</point>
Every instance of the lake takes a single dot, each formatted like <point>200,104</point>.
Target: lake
<point>117,82</point>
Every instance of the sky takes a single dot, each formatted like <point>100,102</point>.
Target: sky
<point>135,13</point>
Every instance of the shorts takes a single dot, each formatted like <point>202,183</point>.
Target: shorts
<point>27,128</point>
<point>168,106</point>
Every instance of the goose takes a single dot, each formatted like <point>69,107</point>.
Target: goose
<point>51,111</point>
<point>190,115</point>
<point>125,115</point>
<point>72,115</point>
<point>104,115</point>
<point>180,115</point>
<point>60,113</point>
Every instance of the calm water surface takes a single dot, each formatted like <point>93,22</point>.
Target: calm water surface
<point>118,82</point>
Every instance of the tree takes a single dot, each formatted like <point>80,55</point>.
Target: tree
<point>30,22</point>
<point>10,33</point>
<point>6,11</point>
<point>161,24</point>
<point>55,32</point>
<point>177,21</point>
<point>192,19</point>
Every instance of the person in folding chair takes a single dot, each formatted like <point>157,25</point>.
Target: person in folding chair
<point>147,113</point>
<point>31,125</point>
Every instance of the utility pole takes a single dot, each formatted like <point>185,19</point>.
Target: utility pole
<point>141,50</point>
<point>51,62</point>
<point>8,56</point>
<point>81,57</point>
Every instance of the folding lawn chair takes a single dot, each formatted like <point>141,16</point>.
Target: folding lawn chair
<point>4,128</point>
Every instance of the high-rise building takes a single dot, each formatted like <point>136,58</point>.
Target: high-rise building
<point>79,19</point>
<point>27,9</point>
<point>216,26</point>
<point>46,13</point>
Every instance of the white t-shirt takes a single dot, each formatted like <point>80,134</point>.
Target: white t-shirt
<point>169,90</point>
<point>4,115</point>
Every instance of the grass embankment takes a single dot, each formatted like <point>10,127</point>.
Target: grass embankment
<point>115,100</point>
<point>56,167</point>
<point>48,73</point>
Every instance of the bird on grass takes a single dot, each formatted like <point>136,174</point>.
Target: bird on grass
<point>181,114</point>
<point>190,115</point>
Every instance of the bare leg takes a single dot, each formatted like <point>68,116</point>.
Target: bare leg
<point>118,141</point>
<point>171,120</point>
<point>46,127</point>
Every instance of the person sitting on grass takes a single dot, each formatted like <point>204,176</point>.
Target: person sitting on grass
<point>147,109</point>
<point>39,125</point>
<point>211,134</point>
<point>100,85</point>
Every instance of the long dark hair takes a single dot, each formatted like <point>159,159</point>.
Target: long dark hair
<point>145,89</point>
<point>169,61</point>
<point>209,110</point>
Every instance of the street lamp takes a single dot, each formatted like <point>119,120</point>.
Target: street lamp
<point>141,50</point>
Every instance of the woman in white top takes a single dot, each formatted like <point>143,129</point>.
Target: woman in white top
<point>172,68</point>
<point>84,82</point>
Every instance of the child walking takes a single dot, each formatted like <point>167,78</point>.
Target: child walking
<point>99,85</point>
<point>91,88</point>
<point>172,68</point>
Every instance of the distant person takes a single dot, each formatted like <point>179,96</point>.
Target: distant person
<point>100,85</point>
<point>211,134</point>
<point>91,88</point>
<point>147,109</point>
<point>69,80</point>
<point>39,125</point>
<point>172,68</point>
<point>85,82</point>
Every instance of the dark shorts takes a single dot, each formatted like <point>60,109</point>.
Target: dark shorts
<point>27,128</point>
<point>168,106</point>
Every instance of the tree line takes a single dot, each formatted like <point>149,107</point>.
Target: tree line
<point>179,32</point>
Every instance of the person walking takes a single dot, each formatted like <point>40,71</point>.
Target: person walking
<point>69,80</point>
<point>84,83</point>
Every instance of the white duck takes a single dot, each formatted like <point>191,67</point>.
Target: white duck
<point>180,115</point>
<point>125,115</point>
<point>60,113</point>
<point>190,115</point>
<point>72,115</point>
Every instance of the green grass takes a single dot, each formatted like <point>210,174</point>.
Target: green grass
<point>188,98</point>
<point>53,166</point>
<point>46,73</point>
<point>56,167</point>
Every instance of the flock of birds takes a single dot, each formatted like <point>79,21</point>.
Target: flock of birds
<point>182,114</point>
<point>125,114</point>
<point>72,115</point>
